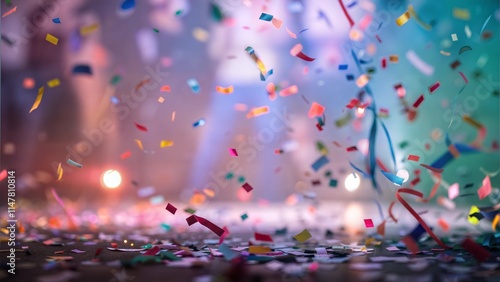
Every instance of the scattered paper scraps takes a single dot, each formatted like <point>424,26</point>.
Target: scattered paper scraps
<point>73,163</point>
<point>296,51</point>
<point>171,208</point>
<point>125,155</point>
<point>82,69</point>
<point>53,83</point>
<point>369,223</point>
<point>292,35</point>
<point>166,143</point>
<point>259,249</point>
<point>453,191</point>
<point>60,172</point>
<point>201,34</point>
<point>271,91</point>
<point>381,228</point>
<point>86,30</point>
<point>322,161</point>
<point>461,14</point>
<point>56,20</point>
<point>224,90</point>
<point>265,17</point>
<point>316,110</point>
<point>474,215</point>
<point>52,39</point>
<point>141,127</point>
<point>413,158</point>
<point>434,87</point>
<point>165,88</point>
<point>229,254</point>
<point>247,187</point>
<point>454,37</point>
<point>418,19</point>
<point>9,12</point>
<point>290,90</point>
<point>362,80</point>
<point>263,237</point>
<point>394,58</point>
<point>475,249</point>
<point>485,189</point>
<point>208,224</point>
<point>244,217</point>
<point>303,236</point>
<point>404,18</point>
<point>38,99</point>
<point>233,152</point>
<point>139,144</point>
<point>464,49</point>
<point>411,244</point>
<point>444,225</point>
<point>418,101</point>
<point>199,122</point>
<point>255,112</point>
<point>257,60</point>
<point>193,84</point>
<point>216,12</point>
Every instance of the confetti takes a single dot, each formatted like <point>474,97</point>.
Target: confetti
<point>344,10</point>
<point>125,155</point>
<point>256,59</point>
<point>263,237</point>
<point>454,37</point>
<point>296,51</point>
<point>266,17</point>
<point>277,23</point>
<point>464,49</point>
<point>255,112</point>
<point>139,144</point>
<point>319,163</point>
<point>165,88</point>
<point>461,14</point>
<point>419,101</point>
<point>259,249</point>
<point>233,152</point>
<point>434,87</point>
<point>419,64</point>
<point>193,84</point>
<point>417,18</point>
<point>140,127</point>
<point>216,12</point>
<point>166,143</point>
<point>83,69</point>
<point>199,122</point>
<point>485,189</point>
<point>224,90</point>
<point>9,12</point>
<point>467,31</point>
<point>201,34</point>
<point>228,254</point>
<point>244,217</point>
<point>38,99</point>
<point>171,208</point>
<point>369,223</point>
<point>214,228</point>
<point>292,35</point>
<point>484,25</point>
<point>86,30</point>
<point>51,38</point>
<point>362,80</point>
<point>247,187</point>
<point>393,58</point>
<point>303,236</point>
<point>401,20</point>
<point>475,249</point>
<point>381,228</point>
<point>393,178</point>
<point>73,163</point>
<point>316,110</point>
<point>290,90</point>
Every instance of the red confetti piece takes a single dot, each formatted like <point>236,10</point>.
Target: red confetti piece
<point>152,252</point>
<point>171,208</point>
<point>369,223</point>
<point>353,103</point>
<point>233,152</point>
<point>271,90</point>
<point>114,245</point>
<point>413,158</point>
<point>415,181</point>
<point>419,101</point>
<point>263,237</point>
<point>125,155</point>
<point>476,250</point>
<point>247,187</point>
<point>3,174</point>
<point>410,243</point>
<point>319,127</point>
<point>316,110</point>
<point>434,87</point>
<point>97,252</point>
<point>352,148</point>
<point>384,63</point>
<point>415,214</point>
<point>191,220</point>
<point>378,38</point>
<point>140,127</point>
<point>224,235</point>
<point>296,51</point>
<point>437,170</point>
<point>351,22</point>
<point>210,225</point>
<point>165,88</point>
<point>463,77</point>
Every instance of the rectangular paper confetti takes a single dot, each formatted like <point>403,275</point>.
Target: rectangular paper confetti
<point>434,87</point>
<point>413,158</point>
<point>233,152</point>
<point>485,189</point>
<point>303,236</point>
<point>263,237</point>
<point>255,112</point>
<point>53,82</point>
<point>323,160</point>
<point>51,38</point>
<point>247,187</point>
<point>259,249</point>
<point>290,90</point>
<point>224,90</point>
<point>368,223</point>
<point>171,208</point>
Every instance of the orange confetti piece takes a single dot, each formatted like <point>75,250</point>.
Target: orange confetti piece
<point>255,112</point>
<point>10,12</point>
<point>290,90</point>
<point>38,99</point>
<point>444,225</point>
<point>494,223</point>
<point>125,155</point>
<point>271,90</point>
<point>139,144</point>
<point>413,158</point>
<point>316,110</point>
<point>381,229</point>
<point>224,90</point>
<point>393,58</point>
<point>362,80</point>
<point>277,23</point>
<point>292,35</point>
<point>165,88</point>
<point>60,172</point>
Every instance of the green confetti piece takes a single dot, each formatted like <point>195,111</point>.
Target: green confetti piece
<point>190,210</point>
<point>156,30</point>
<point>145,260</point>
<point>333,182</point>
<point>178,12</point>
<point>328,173</point>
<point>115,79</point>
<point>321,148</point>
<point>8,2</point>
<point>147,246</point>
<point>343,120</point>
<point>241,179</point>
<point>244,216</point>
<point>168,255</point>
<point>166,226</point>
<point>216,13</point>
<point>229,176</point>
<point>403,144</point>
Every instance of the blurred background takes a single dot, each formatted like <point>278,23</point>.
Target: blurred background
<point>131,87</point>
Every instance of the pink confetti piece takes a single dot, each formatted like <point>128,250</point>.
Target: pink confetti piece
<point>277,23</point>
<point>210,225</point>
<point>3,174</point>
<point>171,208</point>
<point>296,51</point>
<point>292,35</point>
<point>485,190</point>
<point>233,152</point>
<point>434,87</point>
<point>369,223</point>
<point>453,191</point>
<point>316,110</point>
<point>352,149</point>
<point>247,187</point>
<point>271,90</point>
<point>290,90</point>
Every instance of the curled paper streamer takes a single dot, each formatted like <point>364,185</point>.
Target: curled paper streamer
<point>296,51</point>
<point>38,99</point>
<point>351,22</point>
<point>415,214</point>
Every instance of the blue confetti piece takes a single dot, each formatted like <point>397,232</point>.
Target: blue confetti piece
<point>342,67</point>
<point>393,178</point>
<point>229,254</point>
<point>319,163</point>
<point>114,100</point>
<point>84,69</point>
<point>73,163</point>
<point>352,4</point>
<point>349,77</point>
<point>264,77</point>
<point>56,20</point>
<point>193,83</point>
<point>266,17</point>
<point>417,232</point>
<point>199,122</point>
<point>305,29</point>
<point>127,5</point>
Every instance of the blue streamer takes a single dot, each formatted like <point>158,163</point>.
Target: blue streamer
<point>443,160</point>
<point>359,170</point>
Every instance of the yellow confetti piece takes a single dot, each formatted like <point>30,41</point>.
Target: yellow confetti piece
<point>166,143</point>
<point>224,90</point>
<point>200,34</point>
<point>139,144</point>
<point>59,172</point>
<point>303,236</point>
<point>255,112</point>
<point>418,19</point>
<point>401,20</point>
<point>461,14</point>
<point>51,38</point>
<point>393,58</point>
<point>259,249</point>
<point>86,30</point>
<point>38,99</point>
<point>472,219</point>
<point>362,80</point>
<point>53,82</point>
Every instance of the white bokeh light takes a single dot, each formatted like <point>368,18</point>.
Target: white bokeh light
<point>352,182</point>
<point>111,179</point>
<point>403,173</point>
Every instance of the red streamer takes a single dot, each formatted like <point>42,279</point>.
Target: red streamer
<point>351,22</point>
